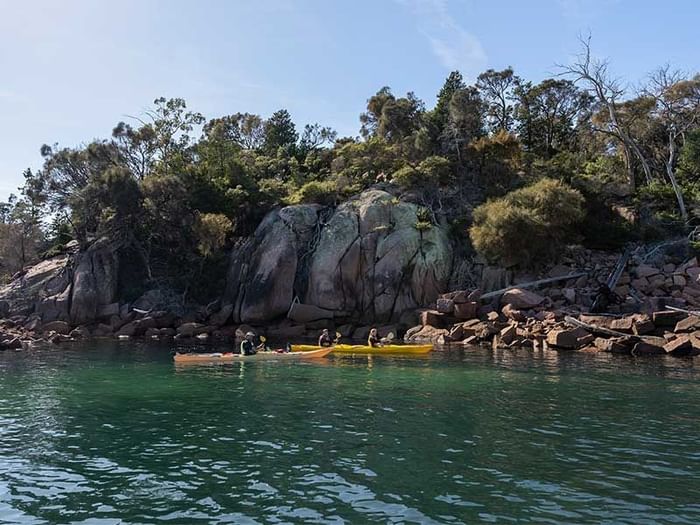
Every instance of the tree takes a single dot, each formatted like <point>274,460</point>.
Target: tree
<point>498,161</point>
<point>496,89</point>
<point>391,118</point>
<point>677,101</point>
<point>464,121</point>
<point>21,234</point>
<point>280,132</point>
<point>547,114</point>
<point>314,136</point>
<point>689,158</point>
<point>607,91</point>
<point>440,115</point>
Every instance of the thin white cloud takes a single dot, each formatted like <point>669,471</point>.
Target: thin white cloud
<point>452,44</point>
<point>584,11</point>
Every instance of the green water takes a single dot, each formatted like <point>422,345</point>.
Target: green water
<point>115,433</point>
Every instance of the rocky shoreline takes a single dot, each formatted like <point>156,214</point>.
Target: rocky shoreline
<point>303,271</point>
<point>654,314</point>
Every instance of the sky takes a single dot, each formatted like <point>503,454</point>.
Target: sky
<point>71,69</point>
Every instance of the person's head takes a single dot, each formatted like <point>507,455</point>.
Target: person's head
<point>373,331</point>
<point>250,336</point>
<point>325,331</point>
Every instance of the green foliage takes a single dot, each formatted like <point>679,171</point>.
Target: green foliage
<point>211,230</point>
<point>173,199</point>
<point>432,172</point>
<point>424,219</point>
<point>391,118</point>
<point>280,132</point>
<point>362,163</point>
<point>547,115</point>
<point>315,192</point>
<point>527,225</point>
<point>439,116</point>
<point>499,161</point>
<point>689,162</point>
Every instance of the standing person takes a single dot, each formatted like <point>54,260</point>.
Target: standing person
<point>325,339</point>
<point>247,345</point>
<point>373,339</point>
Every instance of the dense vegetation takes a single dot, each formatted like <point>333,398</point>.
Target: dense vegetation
<point>175,189</point>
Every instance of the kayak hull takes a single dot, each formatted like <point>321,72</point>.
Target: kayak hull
<point>364,349</point>
<point>231,357</point>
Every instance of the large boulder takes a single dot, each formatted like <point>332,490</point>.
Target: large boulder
<point>367,260</point>
<point>43,288</point>
<point>94,282</point>
<point>264,275</point>
<point>70,287</point>
<point>372,259</point>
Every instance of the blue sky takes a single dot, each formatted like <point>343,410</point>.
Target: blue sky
<point>71,69</point>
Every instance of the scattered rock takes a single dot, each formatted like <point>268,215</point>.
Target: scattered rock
<point>520,298</point>
<point>59,327</point>
<point>445,306</point>
<point>468,310</point>
<point>681,345</point>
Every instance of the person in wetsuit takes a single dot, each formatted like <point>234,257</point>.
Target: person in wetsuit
<point>325,339</point>
<point>247,345</point>
<point>373,339</point>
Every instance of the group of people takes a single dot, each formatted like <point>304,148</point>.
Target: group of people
<point>248,346</point>
<point>325,339</point>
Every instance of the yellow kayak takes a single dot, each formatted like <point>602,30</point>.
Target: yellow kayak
<point>231,357</point>
<point>364,349</point>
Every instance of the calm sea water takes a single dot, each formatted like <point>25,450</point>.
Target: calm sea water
<point>115,433</point>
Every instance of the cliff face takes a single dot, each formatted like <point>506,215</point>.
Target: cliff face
<point>368,260</point>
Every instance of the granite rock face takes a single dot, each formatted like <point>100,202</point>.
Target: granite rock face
<point>70,287</point>
<point>370,259</point>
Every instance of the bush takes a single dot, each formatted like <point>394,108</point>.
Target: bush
<point>432,172</point>
<point>527,225</point>
<point>315,192</point>
<point>211,230</point>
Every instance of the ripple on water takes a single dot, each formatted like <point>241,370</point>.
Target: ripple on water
<point>116,434</point>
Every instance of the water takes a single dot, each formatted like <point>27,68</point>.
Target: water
<point>115,433</point>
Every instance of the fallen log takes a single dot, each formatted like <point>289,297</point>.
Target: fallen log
<point>532,284</point>
<point>683,310</point>
<point>598,329</point>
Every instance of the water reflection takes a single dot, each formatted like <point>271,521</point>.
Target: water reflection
<point>119,433</point>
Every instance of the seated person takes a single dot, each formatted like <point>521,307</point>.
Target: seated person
<point>325,339</point>
<point>247,345</point>
<point>373,339</point>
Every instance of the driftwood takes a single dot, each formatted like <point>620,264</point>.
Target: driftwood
<point>598,329</point>
<point>683,310</point>
<point>532,284</point>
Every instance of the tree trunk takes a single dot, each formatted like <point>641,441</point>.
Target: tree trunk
<point>672,177</point>
<point>630,170</point>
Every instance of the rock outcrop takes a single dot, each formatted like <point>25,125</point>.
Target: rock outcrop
<point>265,275</point>
<point>371,260</point>
<point>71,287</point>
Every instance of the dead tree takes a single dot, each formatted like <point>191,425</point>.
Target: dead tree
<point>608,92</point>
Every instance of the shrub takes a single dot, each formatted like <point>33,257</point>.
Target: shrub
<point>317,192</point>
<point>528,224</point>
<point>432,172</point>
<point>211,230</point>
